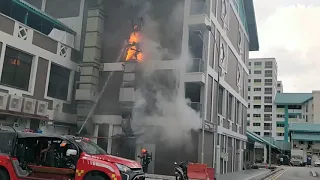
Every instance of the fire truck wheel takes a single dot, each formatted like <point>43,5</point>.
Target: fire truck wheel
<point>4,174</point>
<point>94,178</point>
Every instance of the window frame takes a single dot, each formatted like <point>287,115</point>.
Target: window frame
<point>59,74</point>
<point>19,58</point>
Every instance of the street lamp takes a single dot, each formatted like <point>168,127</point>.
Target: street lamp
<point>215,132</point>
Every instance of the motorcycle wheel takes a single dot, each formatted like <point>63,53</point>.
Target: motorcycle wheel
<point>179,177</point>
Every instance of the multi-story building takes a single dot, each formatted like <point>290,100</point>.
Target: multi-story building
<point>38,69</point>
<point>262,89</point>
<point>295,108</point>
<point>215,32</point>
<point>279,87</point>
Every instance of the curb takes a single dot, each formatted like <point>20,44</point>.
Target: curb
<point>268,174</point>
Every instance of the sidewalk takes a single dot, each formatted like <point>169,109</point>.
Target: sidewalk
<point>239,175</point>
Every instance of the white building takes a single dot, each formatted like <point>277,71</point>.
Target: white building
<point>279,87</point>
<point>262,89</point>
<point>38,68</point>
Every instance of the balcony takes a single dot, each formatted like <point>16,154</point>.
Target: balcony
<point>267,119</point>
<point>196,65</point>
<point>199,7</point>
<point>267,127</point>
<point>267,109</point>
<point>32,17</point>
<point>268,101</point>
<point>199,12</point>
<point>280,110</point>
<point>197,106</point>
<point>267,92</point>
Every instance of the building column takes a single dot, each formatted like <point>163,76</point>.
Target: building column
<point>95,133</point>
<point>110,133</point>
<point>217,169</point>
<point>254,154</point>
<point>265,152</point>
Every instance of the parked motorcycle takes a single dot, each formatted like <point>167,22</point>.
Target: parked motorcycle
<point>180,170</point>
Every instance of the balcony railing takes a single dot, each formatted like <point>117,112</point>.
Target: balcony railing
<point>268,92</point>
<point>267,119</point>
<point>197,106</point>
<point>268,101</point>
<point>196,65</point>
<point>267,127</point>
<point>198,7</point>
<point>268,110</point>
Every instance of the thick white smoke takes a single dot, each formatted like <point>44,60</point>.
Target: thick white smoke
<point>171,118</point>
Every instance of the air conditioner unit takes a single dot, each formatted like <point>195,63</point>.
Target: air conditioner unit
<point>3,100</point>
<point>15,103</point>
<point>42,108</point>
<point>29,105</point>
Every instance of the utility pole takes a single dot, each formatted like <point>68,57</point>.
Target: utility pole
<point>215,130</point>
<point>270,135</point>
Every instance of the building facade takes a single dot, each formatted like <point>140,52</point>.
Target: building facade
<point>279,87</point>
<point>262,89</point>
<point>38,57</point>
<point>295,108</point>
<point>215,32</point>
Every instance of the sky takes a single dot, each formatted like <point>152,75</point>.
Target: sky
<point>289,30</point>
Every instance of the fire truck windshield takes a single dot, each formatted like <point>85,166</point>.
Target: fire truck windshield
<point>89,147</point>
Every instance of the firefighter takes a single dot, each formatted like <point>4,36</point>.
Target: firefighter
<point>146,159</point>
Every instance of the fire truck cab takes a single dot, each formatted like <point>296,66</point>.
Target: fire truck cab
<point>33,156</point>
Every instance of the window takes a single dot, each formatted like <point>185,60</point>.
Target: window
<point>256,97</point>
<point>237,112</point>
<point>267,90</point>
<point>268,73</point>
<point>267,124</point>
<point>229,107</point>
<point>307,108</point>
<point>268,99</point>
<point>294,107</point>
<point>280,134</point>
<point>280,106</point>
<point>249,88</point>
<point>257,133</point>
<point>256,124</point>
<point>306,118</point>
<point>220,103</point>
<point>248,115</point>
<point>278,85</point>
<point>268,82</point>
<point>248,106</point>
<point>257,63</point>
<point>256,106</point>
<point>256,115</point>
<point>257,80</point>
<point>257,89</point>
<point>293,116</point>
<point>209,94</point>
<point>249,63</point>
<point>279,91</point>
<point>248,97</point>
<point>280,125</point>
<point>248,123</point>
<point>268,115</point>
<point>268,64</point>
<point>257,72</point>
<point>249,80</point>
<point>266,133</point>
<point>16,69</point>
<point>90,147</point>
<point>280,115</point>
<point>58,82</point>
<point>249,71</point>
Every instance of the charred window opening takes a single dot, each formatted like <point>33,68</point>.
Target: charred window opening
<point>192,92</point>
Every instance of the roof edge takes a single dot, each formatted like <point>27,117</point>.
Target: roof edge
<point>252,25</point>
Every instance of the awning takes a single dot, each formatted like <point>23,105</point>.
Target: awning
<point>305,137</point>
<point>44,15</point>
<point>257,138</point>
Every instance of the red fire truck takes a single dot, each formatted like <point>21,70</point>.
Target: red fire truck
<point>33,156</point>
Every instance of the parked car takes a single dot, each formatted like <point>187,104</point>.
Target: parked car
<point>27,155</point>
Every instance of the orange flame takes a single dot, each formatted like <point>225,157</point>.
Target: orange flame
<point>133,51</point>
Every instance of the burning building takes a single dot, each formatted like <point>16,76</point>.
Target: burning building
<point>156,54</point>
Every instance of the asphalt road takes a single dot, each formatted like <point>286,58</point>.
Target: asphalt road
<point>297,173</point>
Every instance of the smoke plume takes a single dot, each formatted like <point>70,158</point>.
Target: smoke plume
<point>161,112</point>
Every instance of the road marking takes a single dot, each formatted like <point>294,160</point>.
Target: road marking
<point>278,175</point>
